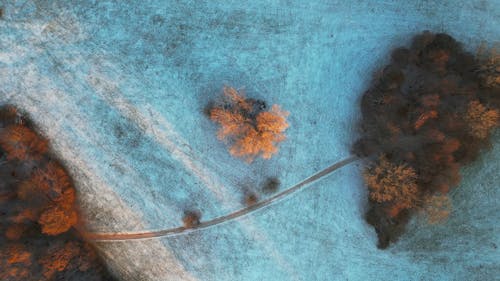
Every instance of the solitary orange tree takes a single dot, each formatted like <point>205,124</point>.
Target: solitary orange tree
<point>251,131</point>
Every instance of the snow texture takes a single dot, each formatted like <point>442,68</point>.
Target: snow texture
<point>119,88</point>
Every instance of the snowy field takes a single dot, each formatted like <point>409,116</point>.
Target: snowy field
<point>119,88</point>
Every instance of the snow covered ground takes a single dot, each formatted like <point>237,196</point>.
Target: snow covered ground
<point>120,86</point>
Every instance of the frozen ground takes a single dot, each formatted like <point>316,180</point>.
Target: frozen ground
<point>120,86</point>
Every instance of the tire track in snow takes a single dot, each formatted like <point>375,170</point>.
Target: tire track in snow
<point>220,220</point>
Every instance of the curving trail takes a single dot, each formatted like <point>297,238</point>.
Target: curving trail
<point>95,236</point>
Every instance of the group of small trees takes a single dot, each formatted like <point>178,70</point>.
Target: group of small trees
<point>38,199</point>
<point>429,112</point>
<point>192,217</point>
<point>61,260</point>
<point>47,191</point>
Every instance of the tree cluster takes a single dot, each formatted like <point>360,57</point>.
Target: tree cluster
<point>426,114</point>
<point>38,210</point>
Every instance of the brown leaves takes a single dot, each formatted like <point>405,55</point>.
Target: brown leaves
<point>191,218</point>
<point>424,117</point>
<point>445,104</point>
<point>233,124</point>
<point>18,255</point>
<point>430,101</point>
<point>450,145</point>
<point>437,208</point>
<point>388,182</point>
<point>51,185</point>
<point>22,143</point>
<point>489,69</point>
<point>56,220</point>
<point>251,132</point>
<point>14,261</point>
<point>57,259</point>
<point>48,190</point>
<point>37,192</point>
<point>273,121</point>
<point>481,119</point>
<point>20,263</point>
<point>52,180</point>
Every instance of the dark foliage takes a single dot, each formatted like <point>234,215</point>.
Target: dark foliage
<point>426,114</point>
<point>38,214</point>
<point>271,185</point>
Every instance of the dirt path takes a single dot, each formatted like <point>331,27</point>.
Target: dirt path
<point>257,206</point>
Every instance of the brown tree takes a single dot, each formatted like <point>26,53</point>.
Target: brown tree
<point>250,131</point>
<point>22,143</point>
<point>233,124</point>
<point>489,68</point>
<point>14,262</point>
<point>191,218</point>
<point>391,183</point>
<point>53,181</point>
<point>480,119</point>
<point>56,220</point>
<point>58,258</point>
<point>436,208</point>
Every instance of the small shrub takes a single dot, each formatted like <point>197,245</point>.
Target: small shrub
<point>191,219</point>
<point>250,198</point>
<point>271,185</point>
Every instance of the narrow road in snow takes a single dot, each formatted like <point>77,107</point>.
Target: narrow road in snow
<point>257,206</point>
